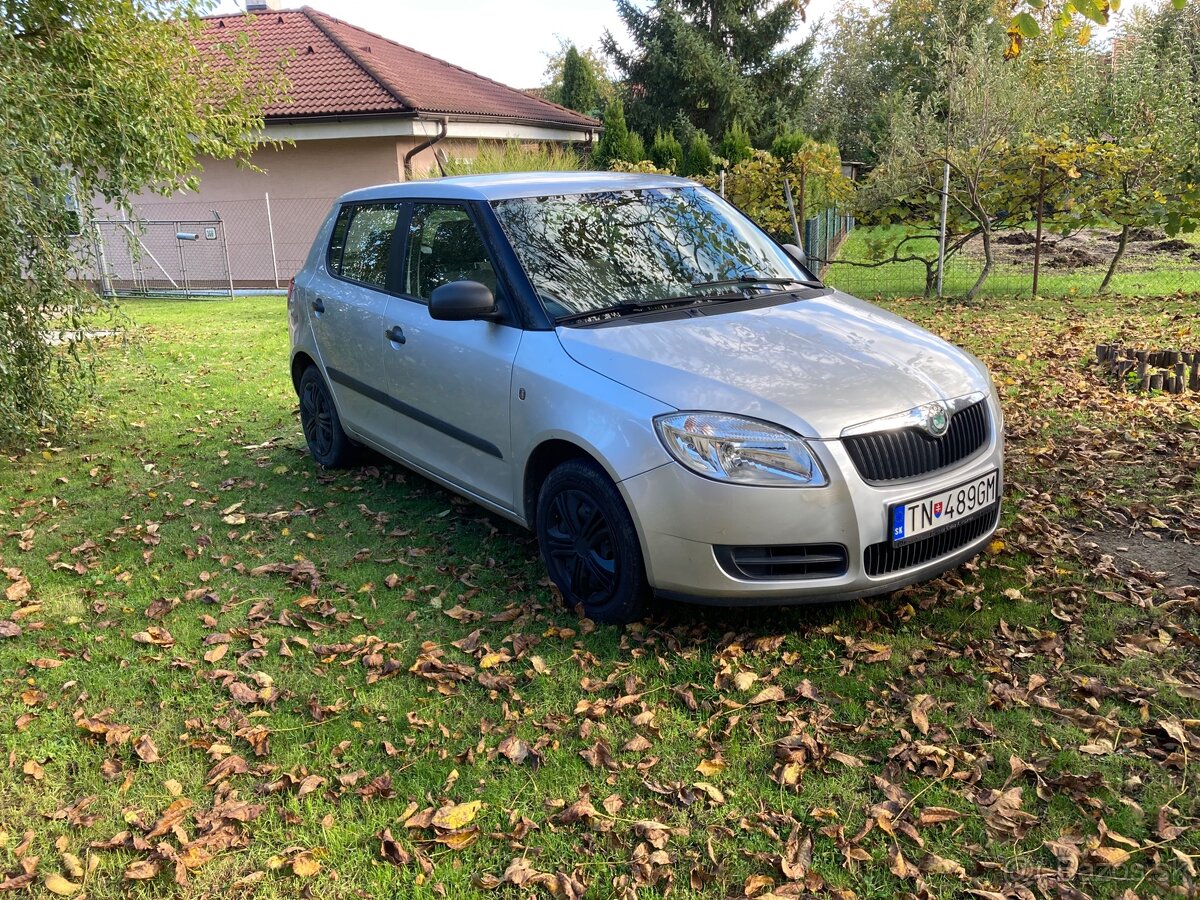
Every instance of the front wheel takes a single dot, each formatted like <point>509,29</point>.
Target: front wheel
<point>327,442</point>
<point>589,544</point>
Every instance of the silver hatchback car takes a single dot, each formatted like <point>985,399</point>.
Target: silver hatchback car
<point>633,369</point>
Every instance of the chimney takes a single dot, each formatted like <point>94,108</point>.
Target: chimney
<point>258,6</point>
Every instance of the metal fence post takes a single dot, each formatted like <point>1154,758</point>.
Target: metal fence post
<point>271,233</point>
<point>225,253</point>
<point>1037,241</point>
<point>942,230</point>
<point>106,287</point>
<point>183,276</point>
<point>787,194</point>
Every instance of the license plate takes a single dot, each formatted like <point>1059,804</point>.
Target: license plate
<point>915,518</point>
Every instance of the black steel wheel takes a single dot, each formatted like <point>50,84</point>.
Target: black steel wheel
<point>327,442</point>
<point>589,544</point>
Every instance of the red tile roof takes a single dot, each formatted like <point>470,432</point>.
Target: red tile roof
<point>337,69</point>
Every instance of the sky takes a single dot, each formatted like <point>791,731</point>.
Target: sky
<point>508,41</point>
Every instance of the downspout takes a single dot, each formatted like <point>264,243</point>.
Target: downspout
<point>443,126</point>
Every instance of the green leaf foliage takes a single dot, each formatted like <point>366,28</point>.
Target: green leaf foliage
<point>666,152</point>
<point>99,99</point>
<point>735,144</point>
<point>714,64</point>
<point>617,143</point>
<point>698,159</point>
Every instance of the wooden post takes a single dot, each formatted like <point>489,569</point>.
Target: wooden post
<point>1156,381</point>
<point>1037,240</point>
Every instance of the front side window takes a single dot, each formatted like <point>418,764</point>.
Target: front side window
<point>591,252</point>
<point>367,242</point>
<point>444,246</point>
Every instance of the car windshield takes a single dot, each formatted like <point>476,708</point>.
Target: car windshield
<point>588,253</point>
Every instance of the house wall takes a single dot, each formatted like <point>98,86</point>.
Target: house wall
<point>302,180</point>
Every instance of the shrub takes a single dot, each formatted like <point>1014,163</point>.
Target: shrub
<point>515,156</point>
<point>666,152</point>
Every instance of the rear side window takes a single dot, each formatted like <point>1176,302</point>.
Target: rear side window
<point>361,244</point>
<point>337,241</point>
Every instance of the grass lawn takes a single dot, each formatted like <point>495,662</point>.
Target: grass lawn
<point>1142,273</point>
<point>225,673</point>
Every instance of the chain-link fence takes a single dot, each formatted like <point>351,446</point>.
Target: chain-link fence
<point>176,257</point>
<point>902,261</point>
<point>265,241</point>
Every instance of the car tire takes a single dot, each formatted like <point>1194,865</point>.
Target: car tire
<point>327,441</point>
<point>589,544</point>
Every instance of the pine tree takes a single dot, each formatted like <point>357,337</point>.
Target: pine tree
<point>714,63</point>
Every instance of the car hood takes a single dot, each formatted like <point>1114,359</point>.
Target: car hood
<point>815,365</point>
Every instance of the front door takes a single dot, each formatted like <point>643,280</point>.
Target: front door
<point>452,378</point>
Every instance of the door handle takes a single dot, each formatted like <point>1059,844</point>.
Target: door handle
<point>318,305</point>
<point>395,334</point>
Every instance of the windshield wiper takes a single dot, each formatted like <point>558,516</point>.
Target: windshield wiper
<point>631,308</point>
<point>752,280</point>
<point>624,309</point>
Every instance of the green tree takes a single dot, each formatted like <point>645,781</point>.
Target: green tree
<point>589,90</point>
<point>972,123</point>
<point>698,158</point>
<point>1139,116</point>
<point>875,56</point>
<point>666,152</point>
<point>580,89</point>
<point>636,147</point>
<point>714,63</point>
<point>617,142</point>
<point>100,98</point>
<point>735,144</point>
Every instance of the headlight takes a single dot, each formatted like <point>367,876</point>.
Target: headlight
<point>743,451</point>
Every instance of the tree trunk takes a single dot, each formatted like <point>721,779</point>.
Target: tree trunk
<point>1112,267</point>
<point>986,234</point>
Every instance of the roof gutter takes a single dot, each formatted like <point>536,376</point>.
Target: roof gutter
<point>591,127</point>
<point>443,128</point>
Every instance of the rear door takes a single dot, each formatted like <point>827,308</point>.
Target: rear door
<point>348,302</point>
<point>453,378</point>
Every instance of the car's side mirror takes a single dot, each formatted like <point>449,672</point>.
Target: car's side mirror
<point>462,300</point>
<point>797,254</point>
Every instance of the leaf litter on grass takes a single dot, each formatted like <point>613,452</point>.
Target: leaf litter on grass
<point>418,713</point>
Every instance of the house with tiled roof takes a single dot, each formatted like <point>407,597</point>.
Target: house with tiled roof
<point>359,109</point>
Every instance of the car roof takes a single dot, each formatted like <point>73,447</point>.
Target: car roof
<point>508,185</point>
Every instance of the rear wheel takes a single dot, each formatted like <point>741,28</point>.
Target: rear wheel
<point>327,442</point>
<point>589,544</point>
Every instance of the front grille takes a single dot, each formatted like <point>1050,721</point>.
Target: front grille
<point>784,561</point>
<point>909,452</point>
<point>884,557</point>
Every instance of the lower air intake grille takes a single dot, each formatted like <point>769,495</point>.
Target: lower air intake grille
<point>884,558</point>
<point>909,452</point>
<point>783,562</point>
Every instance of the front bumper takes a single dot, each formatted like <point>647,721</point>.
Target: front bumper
<point>681,517</point>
